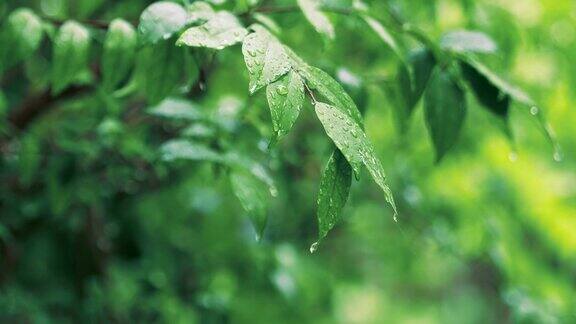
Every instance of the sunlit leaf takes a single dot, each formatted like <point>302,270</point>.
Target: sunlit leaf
<point>221,30</point>
<point>119,53</point>
<point>20,37</point>
<point>161,20</point>
<point>468,41</point>
<point>70,55</point>
<point>312,12</point>
<point>177,109</point>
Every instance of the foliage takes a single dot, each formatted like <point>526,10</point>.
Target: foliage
<point>128,127</point>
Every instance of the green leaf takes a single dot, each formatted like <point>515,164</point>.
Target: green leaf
<point>119,53</point>
<point>285,98</point>
<point>463,41</point>
<point>333,194</point>
<point>222,30</point>
<point>20,37</point>
<point>186,150</point>
<point>487,93</point>
<point>311,10</point>
<point>445,110</point>
<point>265,58</point>
<point>177,109</point>
<point>331,90</point>
<point>71,52</point>
<point>159,70</point>
<point>253,196</point>
<point>353,143</point>
<point>161,20</point>
<point>384,34</point>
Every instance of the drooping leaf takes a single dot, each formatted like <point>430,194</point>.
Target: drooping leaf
<point>119,53</point>
<point>333,194</point>
<point>221,30</point>
<point>70,57</point>
<point>253,196</point>
<point>312,12</point>
<point>445,110</point>
<point>463,41</point>
<point>384,34</point>
<point>487,93</point>
<point>177,109</point>
<point>20,37</point>
<point>159,70</point>
<point>265,58</point>
<point>161,20</point>
<point>331,90</point>
<point>353,143</point>
<point>285,98</point>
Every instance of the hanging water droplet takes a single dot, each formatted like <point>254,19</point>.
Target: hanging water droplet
<point>314,247</point>
<point>513,157</point>
<point>534,110</point>
<point>558,155</point>
<point>395,218</point>
<point>282,90</point>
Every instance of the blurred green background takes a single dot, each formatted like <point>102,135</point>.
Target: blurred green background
<point>95,226</point>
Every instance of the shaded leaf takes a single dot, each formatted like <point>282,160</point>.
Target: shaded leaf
<point>253,196</point>
<point>445,110</point>
<point>20,37</point>
<point>265,59</point>
<point>487,93</point>
<point>285,98</point>
<point>70,57</point>
<point>161,20</point>
<point>311,10</point>
<point>353,143</point>
<point>462,41</point>
<point>221,30</point>
<point>119,53</point>
<point>333,194</point>
<point>384,34</point>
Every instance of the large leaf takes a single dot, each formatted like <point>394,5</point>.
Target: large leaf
<point>285,98</point>
<point>71,52</point>
<point>333,194</point>
<point>159,70</point>
<point>445,110</point>
<point>161,20</point>
<point>311,10</point>
<point>266,59</point>
<point>20,37</point>
<point>462,41</point>
<point>119,53</point>
<point>353,143</point>
<point>221,30</point>
<point>253,196</point>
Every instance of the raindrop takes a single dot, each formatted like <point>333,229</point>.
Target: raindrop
<point>282,90</point>
<point>534,111</point>
<point>395,218</point>
<point>513,156</point>
<point>558,155</point>
<point>314,247</point>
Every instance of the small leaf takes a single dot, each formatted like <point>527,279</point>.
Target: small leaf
<point>161,20</point>
<point>186,150</point>
<point>71,51</point>
<point>119,52</point>
<point>445,110</point>
<point>333,194</point>
<point>463,41</point>
<point>353,143</point>
<point>253,196</point>
<point>177,109</point>
<point>265,59</point>
<point>331,90</point>
<point>222,30</point>
<point>20,37</point>
<point>159,70</point>
<point>285,98</point>
<point>311,10</point>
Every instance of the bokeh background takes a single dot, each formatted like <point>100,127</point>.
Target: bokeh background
<point>95,226</point>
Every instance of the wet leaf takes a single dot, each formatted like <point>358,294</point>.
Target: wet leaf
<point>221,30</point>
<point>312,12</point>
<point>285,98</point>
<point>463,41</point>
<point>161,20</point>
<point>253,196</point>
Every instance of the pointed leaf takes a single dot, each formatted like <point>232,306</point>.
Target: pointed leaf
<point>353,143</point>
<point>71,51</point>
<point>311,10</point>
<point>265,58</point>
<point>445,110</point>
<point>119,53</point>
<point>20,37</point>
<point>487,93</point>
<point>285,98</point>
<point>222,30</point>
<point>384,34</point>
<point>161,20</point>
<point>253,196</point>
<point>463,41</point>
<point>334,190</point>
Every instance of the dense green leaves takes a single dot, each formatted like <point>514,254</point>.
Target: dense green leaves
<point>311,9</point>
<point>445,109</point>
<point>161,20</point>
<point>266,59</point>
<point>20,37</point>
<point>221,30</point>
<point>468,41</point>
<point>333,194</point>
<point>285,98</point>
<point>353,143</point>
<point>71,53</point>
<point>119,53</point>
